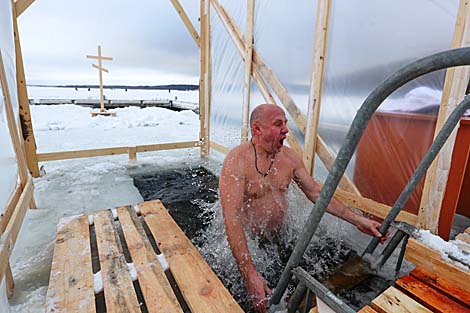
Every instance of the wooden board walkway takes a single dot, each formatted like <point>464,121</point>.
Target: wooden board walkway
<point>119,246</point>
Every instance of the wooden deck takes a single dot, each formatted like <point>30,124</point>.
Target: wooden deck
<point>434,286</point>
<point>119,241</point>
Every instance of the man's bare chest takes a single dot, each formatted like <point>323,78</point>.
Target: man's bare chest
<point>277,181</point>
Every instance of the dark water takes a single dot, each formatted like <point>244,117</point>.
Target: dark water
<point>182,191</point>
<point>188,192</point>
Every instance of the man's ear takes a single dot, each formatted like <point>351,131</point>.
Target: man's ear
<point>255,129</point>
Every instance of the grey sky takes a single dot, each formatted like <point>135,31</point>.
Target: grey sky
<point>146,38</point>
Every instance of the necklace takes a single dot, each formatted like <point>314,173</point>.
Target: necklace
<point>256,162</point>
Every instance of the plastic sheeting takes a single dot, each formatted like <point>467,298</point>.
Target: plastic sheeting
<point>367,41</point>
<point>8,166</point>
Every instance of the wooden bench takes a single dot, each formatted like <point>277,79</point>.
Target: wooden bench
<point>122,235</point>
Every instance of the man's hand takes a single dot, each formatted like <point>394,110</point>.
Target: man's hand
<point>371,228</point>
<point>257,291</point>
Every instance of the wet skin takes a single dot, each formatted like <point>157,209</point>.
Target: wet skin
<point>257,203</point>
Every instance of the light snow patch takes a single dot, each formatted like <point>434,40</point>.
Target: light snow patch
<point>90,220</point>
<point>98,282</point>
<point>163,262</point>
<point>132,271</point>
<point>64,221</point>
<point>136,208</point>
<point>115,215</point>
<point>449,251</point>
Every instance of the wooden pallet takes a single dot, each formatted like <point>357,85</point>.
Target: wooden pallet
<point>421,291</point>
<point>123,237</point>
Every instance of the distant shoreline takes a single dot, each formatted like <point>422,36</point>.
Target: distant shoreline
<point>181,87</point>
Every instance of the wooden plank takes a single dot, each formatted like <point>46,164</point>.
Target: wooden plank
<point>10,208</point>
<point>431,260</point>
<point>316,84</point>
<point>10,283</point>
<point>219,147</point>
<point>132,153</point>
<point>455,86</point>
<point>23,101</point>
<point>439,282</point>
<point>186,21</point>
<point>21,6</point>
<point>392,300</point>
<point>200,287</point>
<point>71,280</point>
<point>202,79</point>
<point>250,17</point>
<point>428,296</point>
<point>8,238</point>
<point>207,79</point>
<point>367,309</point>
<point>11,121</point>
<point>119,291</point>
<point>75,154</point>
<point>373,207</point>
<point>159,296</point>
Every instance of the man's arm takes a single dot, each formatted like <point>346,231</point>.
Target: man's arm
<point>232,187</point>
<point>312,190</point>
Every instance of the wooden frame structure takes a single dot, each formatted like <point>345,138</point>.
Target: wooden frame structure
<point>263,76</point>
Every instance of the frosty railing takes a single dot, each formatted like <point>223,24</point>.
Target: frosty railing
<point>438,61</point>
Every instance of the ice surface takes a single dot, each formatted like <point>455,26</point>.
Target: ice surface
<point>132,271</point>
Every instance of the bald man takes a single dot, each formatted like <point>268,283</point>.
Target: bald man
<point>253,185</point>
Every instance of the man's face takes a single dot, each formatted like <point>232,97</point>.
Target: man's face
<point>273,130</point>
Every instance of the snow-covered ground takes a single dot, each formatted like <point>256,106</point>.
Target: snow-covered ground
<point>72,187</point>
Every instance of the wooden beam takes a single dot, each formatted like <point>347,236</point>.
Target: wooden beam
<point>8,238</point>
<point>316,84</point>
<point>250,18</point>
<point>23,102</point>
<point>455,85</point>
<point>220,148</point>
<point>15,139</point>
<point>132,151</point>
<point>207,77</point>
<point>202,80</point>
<point>10,207</point>
<point>431,260</point>
<point>372,207</point>
<point>76,154</point>
<point>10,283</point>
<point>186,21</point>
<point>21,6</point>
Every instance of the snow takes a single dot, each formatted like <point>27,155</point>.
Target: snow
<point>163,262</point>
<point>83,186</point>
<point>98,282</point>
<point>449,250</point>
<point>136,208</point>
<point>132,271</point>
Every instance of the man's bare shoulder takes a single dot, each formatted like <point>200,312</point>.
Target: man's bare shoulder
<point>290,154</point>
<point>236,158</point>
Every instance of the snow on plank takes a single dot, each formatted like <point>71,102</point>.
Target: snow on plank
<point>159,296</point>
<point>71,280</point>
<point>119,291</point>
<point>392,300</point>
<point>201,288</point>
<point>428,296</point>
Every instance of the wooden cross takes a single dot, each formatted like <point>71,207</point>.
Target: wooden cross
<point>101,69</point>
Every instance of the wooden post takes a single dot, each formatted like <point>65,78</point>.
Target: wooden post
<point>22,168</point>
<point>132,151</point>
<point>455,85</point>
<point>21,6</point>
<point>248,69</point>
<point>25,113</point>
<point>186,21</point>
<point>204,81</point>
<point>100,69</point>
<point>316,84</point>
<point>10,283</point>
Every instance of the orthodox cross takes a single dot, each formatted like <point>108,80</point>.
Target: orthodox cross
<point>101,69</point>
